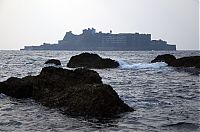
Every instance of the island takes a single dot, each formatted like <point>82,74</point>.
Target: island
<point>89,40</point>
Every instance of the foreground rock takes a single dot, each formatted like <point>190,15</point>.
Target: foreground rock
<point>78,92</point>
<point>191,61</point>
<point>89,60</point>
<point>53,61</point>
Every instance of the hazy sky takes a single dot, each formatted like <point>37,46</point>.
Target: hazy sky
<point>32,22</point>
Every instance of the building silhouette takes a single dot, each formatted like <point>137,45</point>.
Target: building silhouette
<point>91,40</point>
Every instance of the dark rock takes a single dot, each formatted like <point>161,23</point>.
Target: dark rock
<point>198,66</point>
<point>18,88</point>
<point>76,92</point>
<point>167,58</point>
<point>191,61</point>
<point>89,60</point>
<point>53,61</point>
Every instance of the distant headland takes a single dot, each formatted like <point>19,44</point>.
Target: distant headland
<point>89,39</point>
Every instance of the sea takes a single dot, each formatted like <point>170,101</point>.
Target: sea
<point>165,99</point>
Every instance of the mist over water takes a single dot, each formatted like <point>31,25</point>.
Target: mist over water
<point>165,98</point>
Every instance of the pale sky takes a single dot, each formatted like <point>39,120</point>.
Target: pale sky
<point>32,22</point>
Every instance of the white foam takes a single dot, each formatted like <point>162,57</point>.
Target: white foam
<point>52,65</point>
<point>157,65</point>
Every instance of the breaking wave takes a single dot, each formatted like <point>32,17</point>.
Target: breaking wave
<point>157,65</point>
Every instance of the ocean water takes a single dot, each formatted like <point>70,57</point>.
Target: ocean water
<point>164,98</point>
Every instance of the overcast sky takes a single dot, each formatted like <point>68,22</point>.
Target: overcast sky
<point>32,22</point>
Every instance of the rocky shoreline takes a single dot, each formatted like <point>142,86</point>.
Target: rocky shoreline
<point>78,92</point>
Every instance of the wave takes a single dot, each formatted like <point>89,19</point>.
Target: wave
<point>183,125</point>
<point>2,96</point>
<point>157,65</point>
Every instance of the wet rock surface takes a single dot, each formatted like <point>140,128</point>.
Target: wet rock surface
<point>75,92</point>
<point>89,60</point>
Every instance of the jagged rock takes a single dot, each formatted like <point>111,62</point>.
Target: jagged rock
<point>191,61</point>
<point>76,92</point>
<point>53,61</point>
<point>89,60</point>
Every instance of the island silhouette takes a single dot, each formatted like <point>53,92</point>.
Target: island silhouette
<point>89,40</point>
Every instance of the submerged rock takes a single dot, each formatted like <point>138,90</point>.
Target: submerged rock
<point>191,61</point>
<point>76,92</point>
<point>53,61</point>
<point>89,60</point>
